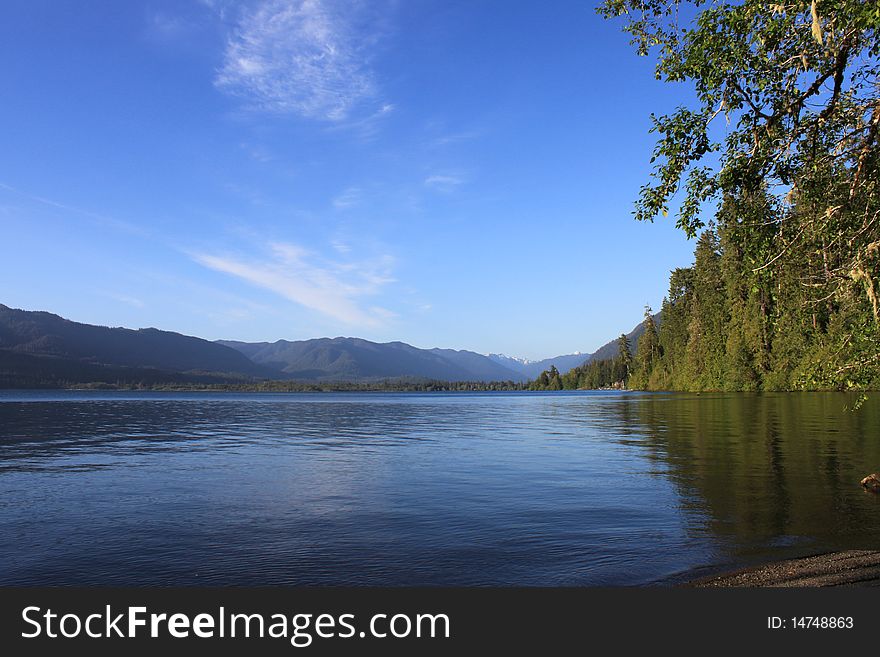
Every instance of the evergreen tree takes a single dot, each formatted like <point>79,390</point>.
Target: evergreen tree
<point>647,352</point>
<point>709,318</point>
<point>624,355</point>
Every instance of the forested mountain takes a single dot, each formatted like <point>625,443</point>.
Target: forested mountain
<point>20,370</point>
<point>357,359</point>
<point>39,348</point>
<point>784,292</point>
<point>67,343</point>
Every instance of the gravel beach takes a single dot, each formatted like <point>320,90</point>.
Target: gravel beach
<point>848,568</point>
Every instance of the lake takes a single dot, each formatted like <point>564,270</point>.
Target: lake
<point>536,489</point>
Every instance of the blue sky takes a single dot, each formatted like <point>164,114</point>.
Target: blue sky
<point>450,174</point>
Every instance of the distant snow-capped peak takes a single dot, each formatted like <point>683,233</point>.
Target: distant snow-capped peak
<point>522,361</point>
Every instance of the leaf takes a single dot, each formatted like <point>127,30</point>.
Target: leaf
<point>817,23</point>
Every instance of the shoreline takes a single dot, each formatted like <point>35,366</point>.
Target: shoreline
<point>843,568</point>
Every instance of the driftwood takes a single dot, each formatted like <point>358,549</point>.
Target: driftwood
<point>871,483</point>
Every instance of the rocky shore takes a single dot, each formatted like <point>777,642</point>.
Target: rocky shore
<point>848,568</point>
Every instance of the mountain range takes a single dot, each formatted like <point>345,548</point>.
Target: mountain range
<point>353,359</point>
<point>39,348</point>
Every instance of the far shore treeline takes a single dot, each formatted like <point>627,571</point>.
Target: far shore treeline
<point>390,385</point>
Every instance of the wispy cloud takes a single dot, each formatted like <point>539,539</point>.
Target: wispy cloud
<point>349,198</point>
<point>332,288</point>
<point>123,298</point>
<point>454,138</point>
<point>166,27</point>
<point>444,183</point>
<point>303,57</point>
<point>257,152</point>
<point>110,222</point>
<point>365,127</point>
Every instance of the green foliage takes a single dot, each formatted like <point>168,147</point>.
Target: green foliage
<point>167,383</point>
<point>624,355</point>
<point>592,375</point>
<point>785,288</point>
<point>648,352</point>
<point>548,380</point>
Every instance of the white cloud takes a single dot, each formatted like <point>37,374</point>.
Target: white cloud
<point>454,138</point>
<point>301,57</point>
<point>257,152</point>
<point>164,26</point>
<point>110,222</point>
<point>349,198</point>
<point>123,298</point>
<point>330,288</point>
<point>444,182</point>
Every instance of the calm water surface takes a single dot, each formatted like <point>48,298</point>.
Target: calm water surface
<point>595,488</point>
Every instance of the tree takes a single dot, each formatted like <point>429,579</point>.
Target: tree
<point>784,75</point>
<point>554,383</point>
<point>709,317</point>
<point>624,355</point>
<point>794,175</point>
<point>647,351</point>
<point>550,379</point>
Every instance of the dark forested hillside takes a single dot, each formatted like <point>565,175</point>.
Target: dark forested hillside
<point>19,370</point>
<point>39,348</point>
<point>68,345</point>
<point>42,349</point>
<point>357,359</point>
